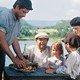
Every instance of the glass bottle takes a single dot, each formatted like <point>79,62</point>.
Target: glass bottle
<point>24,52</point>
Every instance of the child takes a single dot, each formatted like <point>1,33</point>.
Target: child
<point>56,58</point>
<point>72,64</point>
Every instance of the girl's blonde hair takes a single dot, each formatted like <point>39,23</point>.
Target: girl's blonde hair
<point>58,46</point>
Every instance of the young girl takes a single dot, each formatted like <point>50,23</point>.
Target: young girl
<point>56,58</point>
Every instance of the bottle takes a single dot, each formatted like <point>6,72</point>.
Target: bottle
<point>24,52</point>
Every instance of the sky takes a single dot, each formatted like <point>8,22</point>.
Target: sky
<point>49,9</point>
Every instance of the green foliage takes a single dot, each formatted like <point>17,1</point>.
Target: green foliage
<point>63,27</point>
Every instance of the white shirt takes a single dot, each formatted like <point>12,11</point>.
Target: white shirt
<point>54,62</point>
<point>38,56</point>
<point>72,65</point>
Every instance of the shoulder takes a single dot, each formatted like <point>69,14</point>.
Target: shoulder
<point>74,54</point>
<point>62,58</point>
<point>4,11</point>
<point>5,14</point>
<point>48,47</point>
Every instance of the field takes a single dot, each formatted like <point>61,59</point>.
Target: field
<point>45,30</point>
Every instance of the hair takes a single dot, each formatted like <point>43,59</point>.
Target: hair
<point>23,4</point>
<point>58,45</point>
<point>73,40</point>
<point>75,22</point>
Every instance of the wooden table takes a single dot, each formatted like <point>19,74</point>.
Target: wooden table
<point>39,74</point>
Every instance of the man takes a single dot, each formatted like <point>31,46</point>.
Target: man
<point>40,51</point>
<point>75,24</point>
<point>9,28</point>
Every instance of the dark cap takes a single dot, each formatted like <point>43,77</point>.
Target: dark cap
<point>24,4</point>
<point>73,40</point>
<point>75,22</point>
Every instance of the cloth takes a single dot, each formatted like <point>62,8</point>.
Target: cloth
<point>9,24</point>
<point>54,62</point>
<point>72,65</point>
<point>37,56</point>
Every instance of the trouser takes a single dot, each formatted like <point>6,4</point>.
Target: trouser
<point>2,62</point>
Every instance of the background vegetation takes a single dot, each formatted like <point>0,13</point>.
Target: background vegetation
<point>59,30</point>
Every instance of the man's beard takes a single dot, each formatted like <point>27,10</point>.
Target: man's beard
<point>17,17</point>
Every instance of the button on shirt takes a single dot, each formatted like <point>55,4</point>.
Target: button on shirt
<point>9,24</point>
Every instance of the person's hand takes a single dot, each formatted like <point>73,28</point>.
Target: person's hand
<point>26,61</point>
<point>50,70</point>
<point>20,63</point>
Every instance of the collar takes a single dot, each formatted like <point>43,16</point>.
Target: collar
<point>13,15</point>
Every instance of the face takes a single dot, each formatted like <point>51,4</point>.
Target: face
<point>76,30</point>
<point>20,13</point>
<point>42,43</point>
<point>55,51</point>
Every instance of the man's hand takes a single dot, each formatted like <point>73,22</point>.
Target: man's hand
<point>26,61</point>
<point>20,63</point>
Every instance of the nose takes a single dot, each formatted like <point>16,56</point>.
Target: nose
<point>24,15</point>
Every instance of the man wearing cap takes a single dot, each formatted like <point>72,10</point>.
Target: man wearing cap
<point>9,28</point>
<point>75,24</point>
<point>39,52</point>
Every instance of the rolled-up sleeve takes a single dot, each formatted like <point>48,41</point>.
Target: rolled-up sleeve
<point>2,29</point>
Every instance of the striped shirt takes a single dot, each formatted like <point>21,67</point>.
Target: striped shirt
<point>72,65</point>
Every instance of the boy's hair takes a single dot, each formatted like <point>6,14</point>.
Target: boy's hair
<point>58,45</point>
<point>23,4</point>
<point>75,22</point>
<point>73,40</point>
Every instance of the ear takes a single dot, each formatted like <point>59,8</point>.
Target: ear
<point>17,7</point>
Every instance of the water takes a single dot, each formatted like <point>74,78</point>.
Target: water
<point>30,42</point>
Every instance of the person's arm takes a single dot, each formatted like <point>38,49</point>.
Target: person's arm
<point>67,67</point>
<point>17,50</point>
<point>5,46</point>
